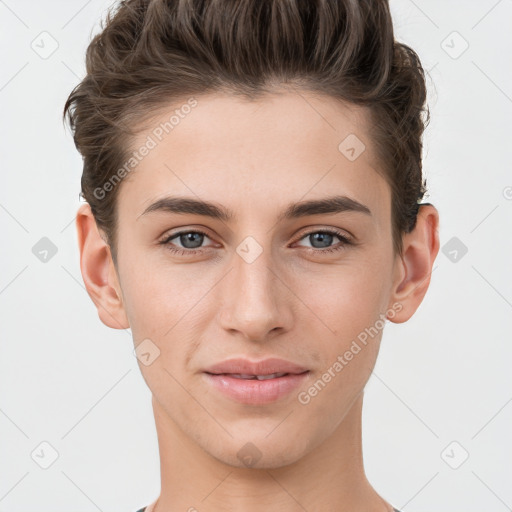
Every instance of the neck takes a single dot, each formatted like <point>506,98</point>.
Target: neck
<point>330,477</point>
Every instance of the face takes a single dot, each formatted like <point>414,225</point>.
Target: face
<point>254,278</point>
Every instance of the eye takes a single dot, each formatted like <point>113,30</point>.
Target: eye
<point>321,240</point>
<point>191,242</point>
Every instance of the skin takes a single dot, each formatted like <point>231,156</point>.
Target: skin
<point>256,158</point>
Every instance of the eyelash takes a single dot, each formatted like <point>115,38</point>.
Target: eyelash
<point>191,252</point>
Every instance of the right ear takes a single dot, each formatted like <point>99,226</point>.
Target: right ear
<point>98,271</point>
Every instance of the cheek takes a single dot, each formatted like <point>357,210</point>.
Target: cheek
<point>346,318</point>
<point>169,306</point>
<point>348,348</point>
<point>146,306</point>
<point>158,296</point>
<point>344,299</point>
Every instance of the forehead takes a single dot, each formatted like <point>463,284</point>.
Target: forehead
<point>259,154</point>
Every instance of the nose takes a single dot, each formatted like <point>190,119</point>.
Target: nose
<point>255,303</point>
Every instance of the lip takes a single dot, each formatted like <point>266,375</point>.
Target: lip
<point>264,367</point>
<point>253,391</point>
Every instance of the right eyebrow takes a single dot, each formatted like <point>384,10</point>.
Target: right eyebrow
<point>189,205</point>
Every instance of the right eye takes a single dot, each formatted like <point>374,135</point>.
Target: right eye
<point>190,241</point>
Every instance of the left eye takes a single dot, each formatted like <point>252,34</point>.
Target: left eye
<point>324,238</point>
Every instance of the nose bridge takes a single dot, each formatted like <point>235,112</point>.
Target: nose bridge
<point>254,303</point>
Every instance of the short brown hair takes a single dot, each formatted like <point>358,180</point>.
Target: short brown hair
<point>151,52</point>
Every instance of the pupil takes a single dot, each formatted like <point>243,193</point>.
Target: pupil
<point>325,239</point>
<point>189,237</point>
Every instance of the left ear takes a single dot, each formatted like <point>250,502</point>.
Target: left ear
<point>414,267</point>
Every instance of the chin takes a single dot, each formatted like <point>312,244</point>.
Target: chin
<point>259,451</point>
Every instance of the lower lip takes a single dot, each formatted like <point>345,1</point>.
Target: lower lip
<point>253,391</point>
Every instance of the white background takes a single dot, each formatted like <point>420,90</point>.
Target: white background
<point>442,377</point>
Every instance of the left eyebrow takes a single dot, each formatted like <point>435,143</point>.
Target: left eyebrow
<point>328,205</point>
<point>334,204</point>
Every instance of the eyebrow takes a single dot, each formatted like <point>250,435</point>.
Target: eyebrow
<point>328,205</point>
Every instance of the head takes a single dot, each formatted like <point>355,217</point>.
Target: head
<point>288,135</point>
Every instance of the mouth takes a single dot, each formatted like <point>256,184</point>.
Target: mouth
<point>257,377</point>
<point>253,389</point>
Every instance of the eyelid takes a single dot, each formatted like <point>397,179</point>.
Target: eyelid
<point>166,237</point>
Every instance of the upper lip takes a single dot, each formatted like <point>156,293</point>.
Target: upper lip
<point>264,367</point>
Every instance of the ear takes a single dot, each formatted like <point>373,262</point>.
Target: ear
<point>98,271</point>
<point>414,267</point>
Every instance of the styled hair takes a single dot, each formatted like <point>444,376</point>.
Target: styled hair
<point>153,52</point>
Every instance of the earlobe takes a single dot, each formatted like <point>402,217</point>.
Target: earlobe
<point>414,267</point>
<point>98,271</point>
